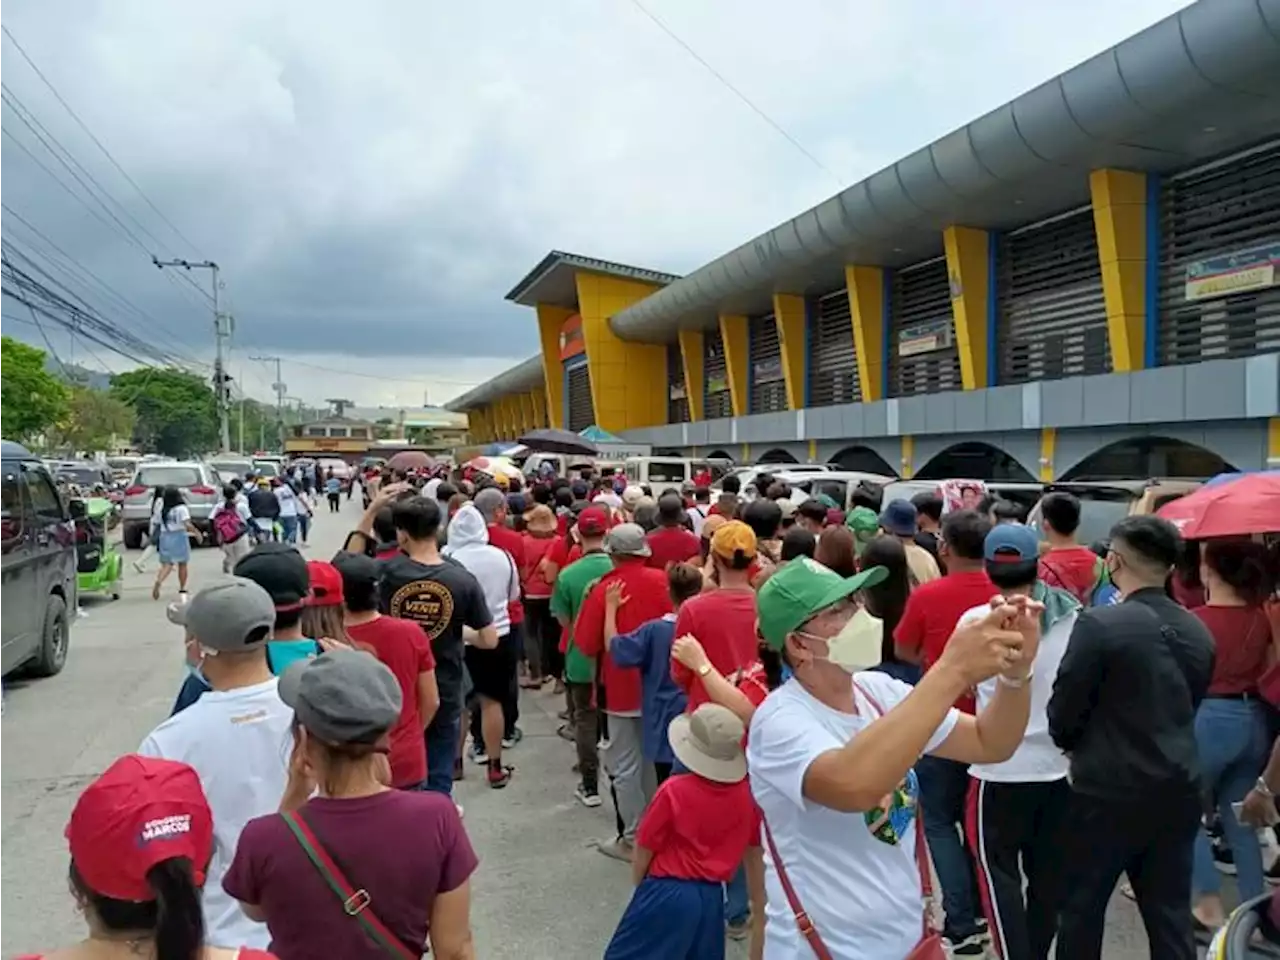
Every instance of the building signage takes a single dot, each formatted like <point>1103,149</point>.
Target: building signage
<point>924,337</point>
<point>1252,269</point>
<point>571,342</point>
<point>717,383</point>
<point>676,392</point>
<point>767,371</point>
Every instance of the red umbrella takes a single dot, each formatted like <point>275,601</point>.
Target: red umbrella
<point>1235,509</point>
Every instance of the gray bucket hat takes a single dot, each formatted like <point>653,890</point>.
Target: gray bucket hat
<point>343,696</point>
<point>709,742</point>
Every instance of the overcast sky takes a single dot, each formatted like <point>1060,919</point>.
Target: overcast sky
<point>374,177</point>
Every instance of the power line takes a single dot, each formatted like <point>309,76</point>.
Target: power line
<point>782,131</point>
<point>379,376</point>
<point>98,143</point>
<point>40,132</point>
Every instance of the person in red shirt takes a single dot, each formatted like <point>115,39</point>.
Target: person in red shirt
<point>539,537</point>
<point>694,834</point>
<point>723,620</point>
<point>406,651</point>
<point>1067,565</point>
<point>932,612</point>
<point>645,598</point>
<point>671,542</point>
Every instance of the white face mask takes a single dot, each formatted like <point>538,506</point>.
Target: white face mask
<point>857,645</point>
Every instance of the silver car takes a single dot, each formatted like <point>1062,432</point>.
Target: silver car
<point>198,482</point>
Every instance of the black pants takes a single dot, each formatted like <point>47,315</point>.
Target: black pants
<point>661,771</point>
<point>1019,829</point>
<point>508,646</point>
<point>543,630</point>
<point>335,502</point>
<point>1149,839</point>
<point>585,734</point>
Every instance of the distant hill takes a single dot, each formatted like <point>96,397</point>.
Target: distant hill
<point>73,373</point>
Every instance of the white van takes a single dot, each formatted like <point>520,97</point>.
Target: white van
<point>670,473</point>
<point>562,465</point>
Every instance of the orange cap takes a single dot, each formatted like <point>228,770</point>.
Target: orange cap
<point>734,537</point>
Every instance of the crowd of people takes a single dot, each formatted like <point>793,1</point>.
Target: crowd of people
<point>800,715</point>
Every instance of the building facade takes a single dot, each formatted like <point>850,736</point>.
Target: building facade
<point>1083,283</point>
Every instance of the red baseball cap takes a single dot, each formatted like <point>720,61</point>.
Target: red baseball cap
<point>140,812</point>
<point>593,521</point>
<point>326,584</point>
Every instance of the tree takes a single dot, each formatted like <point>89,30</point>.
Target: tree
<point>384,428</point>
<point>31,399</point>
<point>176,411</point>
<point>93,420</point>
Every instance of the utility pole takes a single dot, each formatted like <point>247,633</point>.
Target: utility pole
<point>280,389</point>
<point>221,333</point>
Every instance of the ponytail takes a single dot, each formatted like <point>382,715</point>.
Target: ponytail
<point>179,916</point>
<point>175,917</point>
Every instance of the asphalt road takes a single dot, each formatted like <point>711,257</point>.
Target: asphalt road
<point>541,891</point>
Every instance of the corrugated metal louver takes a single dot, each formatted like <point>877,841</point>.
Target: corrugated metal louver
<point>768,387</point>
<point>581,412</point>
<point>1053,319</point>
<point>922,350</point>
<point>1220,259</point>
<point>717,401</point>
<point>677,396</point>
<point>833,365</point>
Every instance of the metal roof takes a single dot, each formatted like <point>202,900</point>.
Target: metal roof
<point>552,280</point>
<point>1198,84</point>
<point>521,378</point>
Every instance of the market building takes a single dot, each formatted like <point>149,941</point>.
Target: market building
<point>1084,282</point>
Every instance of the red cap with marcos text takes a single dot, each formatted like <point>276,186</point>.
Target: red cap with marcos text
<point>140,812</point>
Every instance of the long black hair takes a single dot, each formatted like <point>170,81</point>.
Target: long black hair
<point>888,598</point>
<point>174,917</point>
<point>172,498</point>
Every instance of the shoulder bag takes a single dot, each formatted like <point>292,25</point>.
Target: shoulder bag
<point>356,902</point>
<point>930,945</point>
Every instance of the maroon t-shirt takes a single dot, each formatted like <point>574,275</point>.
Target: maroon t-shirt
<point>405,649</point>
<point>403,847</point>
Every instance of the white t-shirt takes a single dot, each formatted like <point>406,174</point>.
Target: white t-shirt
<point>862,893</point>
<point>238,741</point>
<point>176,520</point>
<point>288,500</point>
<point>496,573</point>
<point>698,516</point>
<point>1037,759</point>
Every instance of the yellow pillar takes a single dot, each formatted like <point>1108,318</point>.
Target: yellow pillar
<point>628,380</point>
<point>550,319</point>
<point>538,404</point>
<point>735,338</point>
<point>692,355</point>
<point>479,425</point>
<point>510,418</point>
<point>526,412</point>
<point>1273,444</point>
<point>1048,446</point>
<point>789,312</point>
<point>969,269</point>
<point>1120,219</point>
<point>907,467</point>
<point>868,309</point>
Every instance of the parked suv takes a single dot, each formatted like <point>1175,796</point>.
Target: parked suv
<point>198,482</point>
<point>38,544</point>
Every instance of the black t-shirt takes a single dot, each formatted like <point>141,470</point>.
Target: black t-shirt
<point>441,598</point>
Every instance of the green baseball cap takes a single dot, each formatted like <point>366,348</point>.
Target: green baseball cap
<point>865,525</point>
<point>800,590</point>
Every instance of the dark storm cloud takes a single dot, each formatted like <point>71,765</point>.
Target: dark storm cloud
<point>374,177</point>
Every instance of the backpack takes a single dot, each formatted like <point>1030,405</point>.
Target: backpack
<point>1092,596</point>
<point>229,526</point>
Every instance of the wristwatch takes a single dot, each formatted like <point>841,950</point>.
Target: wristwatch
<point>1016,684</point>
<point>1262,787</point>
<point>704,669</point>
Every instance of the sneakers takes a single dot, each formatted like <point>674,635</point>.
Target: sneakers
<point>512,738</point>
<point>499,776</point>
<point>565,732</point>
<point>461,812</point>
<point>616,849</point>
<point>587,796</point>
<point>477,753</point>
<point>974,945</point>
<point>739,930</point>
<point>1224,859</point>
